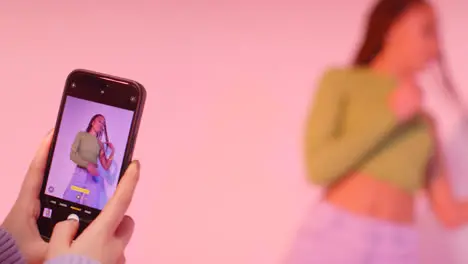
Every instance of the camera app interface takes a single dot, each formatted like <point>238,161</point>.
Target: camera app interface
<point>88,154</point>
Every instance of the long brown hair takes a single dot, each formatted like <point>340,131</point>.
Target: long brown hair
<point>381,18</point>
<point>99,135</point>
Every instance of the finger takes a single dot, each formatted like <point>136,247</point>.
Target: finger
<point>63,235</point>
<point>36,209</point>
<point>121,260</point>
<point>124,232</point>
<point>33,181</point>
<point>114,211</point>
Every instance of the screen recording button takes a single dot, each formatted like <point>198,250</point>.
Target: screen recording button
<point>73,217</point>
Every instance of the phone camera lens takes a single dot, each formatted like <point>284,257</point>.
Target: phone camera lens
<point>132,99</point>
<point>104,87</point>
<point>73,85</point>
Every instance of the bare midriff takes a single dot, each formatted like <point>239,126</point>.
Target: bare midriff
<point>366,195</point>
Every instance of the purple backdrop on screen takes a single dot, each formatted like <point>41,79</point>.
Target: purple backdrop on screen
<point>77,114</point>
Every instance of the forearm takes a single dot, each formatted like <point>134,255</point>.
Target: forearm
<point>462,213</point>
<point>74,152</point>
<point>332,151</point>
<point>78,160</point>
<point>451,212</point>
<point>329,160</point>
<point>453,215</point>
<point>105,162</point>
<point>9,251</point>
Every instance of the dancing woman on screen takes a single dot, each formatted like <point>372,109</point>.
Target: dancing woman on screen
<point>372,147</point>
<point>93,159</point>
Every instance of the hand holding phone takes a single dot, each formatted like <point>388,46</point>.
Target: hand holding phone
<point>110,233</point>
<point>20,221</point>
<point>81,174</point>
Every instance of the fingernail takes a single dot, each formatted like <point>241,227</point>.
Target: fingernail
<point>137,164</point>
<point>50,131</point>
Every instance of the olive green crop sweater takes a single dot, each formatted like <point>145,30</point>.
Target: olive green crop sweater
<point>352,129</point>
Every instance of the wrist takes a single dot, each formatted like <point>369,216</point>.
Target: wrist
<point>9,248</point>
<point>70,258</point>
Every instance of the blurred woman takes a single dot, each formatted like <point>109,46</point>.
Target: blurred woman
<point>372,147</point>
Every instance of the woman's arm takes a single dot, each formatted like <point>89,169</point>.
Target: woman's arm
<point>72,259</point>
<point>9,252</point>
<point>450,211</point>
<point>105,161</point>
<point>331,154</point>
<point>74,155</point>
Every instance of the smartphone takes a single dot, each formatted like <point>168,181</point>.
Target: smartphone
<point>92,146</point>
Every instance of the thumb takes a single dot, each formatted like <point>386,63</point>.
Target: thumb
<point>63,235</point>
<point>115,209</point>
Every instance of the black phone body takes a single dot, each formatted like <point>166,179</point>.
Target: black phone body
<point>92,146</point>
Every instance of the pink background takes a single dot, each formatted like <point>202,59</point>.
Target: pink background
<point>228,87</point>
<point>76,117</point>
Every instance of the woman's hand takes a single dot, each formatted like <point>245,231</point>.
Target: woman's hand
<point>92,169</point>
<point>110,145</point>
<point>107,237</point>
<point>450,211</point>
<point>21,221</point>
<point>405,101</point>
<point>101,146</point>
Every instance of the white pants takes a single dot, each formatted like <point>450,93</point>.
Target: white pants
<point>459,242</point>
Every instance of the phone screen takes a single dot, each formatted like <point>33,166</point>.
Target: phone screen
<point>93,144</point>
<point>88,152</point>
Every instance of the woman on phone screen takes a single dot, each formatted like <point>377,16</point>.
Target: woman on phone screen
<point>371,147</point>
<point>93,158</point>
